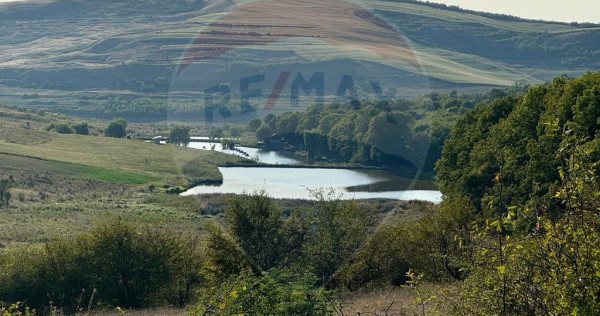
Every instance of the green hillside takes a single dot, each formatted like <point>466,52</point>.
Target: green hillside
<point>79,56</point>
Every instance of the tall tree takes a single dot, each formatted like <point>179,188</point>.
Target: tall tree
<point>116,128</point>
<point>180,135</point>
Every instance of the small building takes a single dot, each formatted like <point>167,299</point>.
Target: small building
<point>158,140</point>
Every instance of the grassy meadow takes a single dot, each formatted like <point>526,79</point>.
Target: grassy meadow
<point>64,184</point>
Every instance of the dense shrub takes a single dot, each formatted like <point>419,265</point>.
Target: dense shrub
<point>272,293</point>
<point>116,128</point>
<point>81,128</point>
<point>435,245</point>
<point>63,128</point>
<point>5,195</point>
<point>116,264</point>
<point>530,169</point>
<point>69,128</point>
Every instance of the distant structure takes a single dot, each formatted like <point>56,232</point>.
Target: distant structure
<point>158,139</point>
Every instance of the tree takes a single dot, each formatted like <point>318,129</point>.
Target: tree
<point>264,132</point>
<point>286,123</point>
<point>338,229</point>
<point>116,128</point>
<point>259,228</point>
<point>216,133</point>
<point>254,124</point>
<point>270,120</point>
<point>236,131</point>
<point>81,128</point>
<point>180,135</point>
<point>5,186</point>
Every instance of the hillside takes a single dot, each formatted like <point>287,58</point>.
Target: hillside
<point>105,57</point>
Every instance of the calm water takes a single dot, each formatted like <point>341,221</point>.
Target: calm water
<point>264,156</point>
<point>296,183</point>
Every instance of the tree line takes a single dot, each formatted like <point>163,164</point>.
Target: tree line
<point>398,133</point>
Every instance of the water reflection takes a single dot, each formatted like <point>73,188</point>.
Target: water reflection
<point>296,183</point>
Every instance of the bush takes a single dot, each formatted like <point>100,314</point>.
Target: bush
<point>116,128</point>
<point>117,263</point>
<point>436,245</point>
<point>5,186</point>
<point>272,293</point>
<point>81,128</point>
<point>63,128</point>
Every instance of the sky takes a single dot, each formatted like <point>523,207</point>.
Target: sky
<point>552,10</point>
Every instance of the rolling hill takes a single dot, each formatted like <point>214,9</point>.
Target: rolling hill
<point>107,58</point>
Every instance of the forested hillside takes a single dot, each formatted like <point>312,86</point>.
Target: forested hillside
<point>526,171</point>
<point>401,134</point>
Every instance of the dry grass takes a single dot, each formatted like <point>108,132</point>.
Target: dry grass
<point>395,301</point>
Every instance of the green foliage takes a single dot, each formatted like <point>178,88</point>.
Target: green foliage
<point>16,309</point>
<point>555,270</point>
<point>81,128</point>
<point>271,293</point>
<point>216,133</point>
<point>254,124</point>
<point>338,229</point>
<point>264,132</point>
<point>401,134</point>
<point>69,128</point>
<point>63,128</point>
<point>180,135</point>
<point>5,195</point>
<point>530,168</point>
<point>435,245</point>
<point>517,139</point>
<point>227,143</point>
<point>236,131</point>
<point>258,227</point>
<point>116,128</point>
<point>319,240</point>
<point>116,264</point>
<point>286,123</point>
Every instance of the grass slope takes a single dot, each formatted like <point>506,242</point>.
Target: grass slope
<point>131,49</point>
<point>19,162</point>
<point>120,160</point>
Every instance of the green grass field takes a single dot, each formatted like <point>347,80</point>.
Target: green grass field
<point>64,184</point>
<point>120,160</point>
<point>18,162</point>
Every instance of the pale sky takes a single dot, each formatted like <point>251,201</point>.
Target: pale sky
<point>552,10</point>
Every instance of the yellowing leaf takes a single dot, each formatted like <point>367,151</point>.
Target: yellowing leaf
<point>501,269</point>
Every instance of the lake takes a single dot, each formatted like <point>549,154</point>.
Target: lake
<point>297,183</point>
